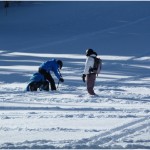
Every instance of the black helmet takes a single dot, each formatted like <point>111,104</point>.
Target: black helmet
<point>60,63</point>
<point>89,52</point>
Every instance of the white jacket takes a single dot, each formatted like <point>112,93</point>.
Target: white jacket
<point>89,64</point>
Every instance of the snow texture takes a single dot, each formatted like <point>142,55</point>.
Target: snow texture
<point>118,117</point>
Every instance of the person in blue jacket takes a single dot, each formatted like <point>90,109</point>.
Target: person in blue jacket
<point>49,66</point>
<point>37,81</point>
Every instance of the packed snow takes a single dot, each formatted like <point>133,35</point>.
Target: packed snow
<point>118,117</point>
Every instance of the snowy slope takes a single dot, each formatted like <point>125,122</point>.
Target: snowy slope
<point>34,32</point>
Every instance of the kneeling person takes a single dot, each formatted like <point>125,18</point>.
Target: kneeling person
<point>37,81</point>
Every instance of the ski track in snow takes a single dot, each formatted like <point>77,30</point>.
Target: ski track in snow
<point>108,138</point>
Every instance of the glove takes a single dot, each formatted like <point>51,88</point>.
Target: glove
<point>61,80</point>
<point>83,77</point>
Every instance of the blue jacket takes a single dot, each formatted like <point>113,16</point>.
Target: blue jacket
<point>37,77</point>
<point>51,65</point>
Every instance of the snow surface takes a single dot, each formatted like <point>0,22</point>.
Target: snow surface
<point>118,118</point>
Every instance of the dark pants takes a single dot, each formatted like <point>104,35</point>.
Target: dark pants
<point>48,77</point>
<point>90,83</point>
<point>42,85</point>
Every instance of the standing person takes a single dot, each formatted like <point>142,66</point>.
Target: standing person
<point>89,75</point>
<point>54,66</point>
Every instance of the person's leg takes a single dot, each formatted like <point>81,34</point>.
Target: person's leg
<point>52,82</point>
<point>90,83</point>
<point>49,78</point>
<point>32,86</point>
<point>44,86</point>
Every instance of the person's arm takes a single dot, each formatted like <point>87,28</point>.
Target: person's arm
<point>88,64</point>
<point>57,73</point>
